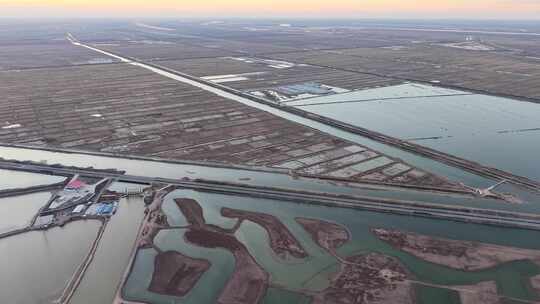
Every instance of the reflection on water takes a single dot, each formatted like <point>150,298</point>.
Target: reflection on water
<point>494,131</point>
<point>179,171</point>
<point>17,212</point>
<point>36,266</point>
<point>19,179</point>
<point>206,291</point>
<point>102,278</point>
<point>292,279</point>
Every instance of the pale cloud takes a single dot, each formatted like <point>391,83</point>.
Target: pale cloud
<point>507,9</point>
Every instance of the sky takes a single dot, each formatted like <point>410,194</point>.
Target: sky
<point>463,9</point>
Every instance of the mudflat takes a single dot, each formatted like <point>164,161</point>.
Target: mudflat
<point>463,255</point>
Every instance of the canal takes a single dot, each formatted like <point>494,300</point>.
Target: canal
<point>313,272</point>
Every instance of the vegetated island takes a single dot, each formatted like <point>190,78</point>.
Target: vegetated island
<point>282,241</point>
<point>249,281</point>
<point>364,278</point>
<point>457,254</point>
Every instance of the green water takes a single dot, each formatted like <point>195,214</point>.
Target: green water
<point>494,131</point>
<point>279,180</point>
<point>281,296</point>
<point>313,272</point>
<point>207,289</point>
<point>431,295</point>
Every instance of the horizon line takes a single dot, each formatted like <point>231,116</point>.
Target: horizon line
<point>275,17</point>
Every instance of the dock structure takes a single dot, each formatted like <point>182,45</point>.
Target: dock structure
<point>133,192</point>
<point>30,190</point>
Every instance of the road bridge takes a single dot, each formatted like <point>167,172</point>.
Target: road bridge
<point>248,99</point>
<point>359,202</point>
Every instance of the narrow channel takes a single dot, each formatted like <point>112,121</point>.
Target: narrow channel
<point>427,164</point>
<point>103,277</point>
<point>177,170</point>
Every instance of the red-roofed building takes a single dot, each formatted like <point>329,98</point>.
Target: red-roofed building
<point>75,184</point>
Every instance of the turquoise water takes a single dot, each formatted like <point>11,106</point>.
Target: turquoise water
<point>494,131</point>
<point>400,91</point>
<point>256,178</point>
<point>313,272</point>
<point>274,295</point>
<point>431,295</point>
<point>208,287</point>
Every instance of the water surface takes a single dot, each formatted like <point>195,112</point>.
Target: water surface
<point>17,212</point>
<point>313,272</point>
<point>10,179</point>
<point>36,266</point>
<point>258,178</point>
<point>494,131</point>
<point>104,275</point>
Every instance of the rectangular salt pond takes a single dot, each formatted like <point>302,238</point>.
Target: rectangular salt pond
<point>37,265</point>
<point>17,212</point>
<point>10,179</point>
<point>494,131</point>
<point>101,279</point>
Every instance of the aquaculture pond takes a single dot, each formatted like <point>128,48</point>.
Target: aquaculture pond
<point>104,274</point>
<point>19,179</point>
<point>255,177</point>
<point>36,266</point>
<point>493,131</point>
<point>18,211</point>
<point>266,229</point>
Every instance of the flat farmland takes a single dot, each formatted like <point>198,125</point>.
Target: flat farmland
<point>157,46</point>
<point>78,101</point>
<point>160,50</point>
<point>47,55</point>
<point>491,72</point>
<point>259,75</point>
<point>245,47</point>
<point>125,109</point>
